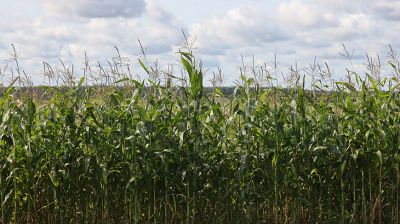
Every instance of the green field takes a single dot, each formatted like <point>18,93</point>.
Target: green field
<point>134,152</point>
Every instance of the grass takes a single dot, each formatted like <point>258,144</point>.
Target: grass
<point>131,152</point>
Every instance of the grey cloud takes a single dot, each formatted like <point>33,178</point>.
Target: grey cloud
<point>388,9</point>
<point>380,9</point>
<point>161,48</point>
<point>213,63</point>
<point>212,51</point>
<point>95,8</point>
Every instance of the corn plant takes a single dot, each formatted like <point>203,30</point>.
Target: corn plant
<point>136,151</point>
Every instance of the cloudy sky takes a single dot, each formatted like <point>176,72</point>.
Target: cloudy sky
<point>296,31</point>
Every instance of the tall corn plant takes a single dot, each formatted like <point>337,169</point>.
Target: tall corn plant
<point>146,152</point>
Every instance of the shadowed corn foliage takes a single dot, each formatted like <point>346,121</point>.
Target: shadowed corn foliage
<point>172,154</point>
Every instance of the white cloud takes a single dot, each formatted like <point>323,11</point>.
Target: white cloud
<point>245,26</point>
<point>49,37</point>
<point>36,39</point>
<point>296,13</point>
<point>355,24</point>
<point>158,31</point>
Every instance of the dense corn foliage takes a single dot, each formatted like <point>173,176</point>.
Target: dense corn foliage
<point>171,154</point>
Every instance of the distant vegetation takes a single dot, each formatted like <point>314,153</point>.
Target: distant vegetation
<point>167,151</point>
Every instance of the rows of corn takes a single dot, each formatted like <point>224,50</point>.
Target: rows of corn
<point>141,153</point>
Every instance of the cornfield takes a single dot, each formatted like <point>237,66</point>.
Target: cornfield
<point>161,152</point>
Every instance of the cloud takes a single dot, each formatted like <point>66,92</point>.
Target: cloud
<point>49,37</point>
<point>321,23</point>
<point>355,25</point>
<point>296,13</point>
<point>158,31</point>
<point>296,30</point>
<point>346,28</point>
<point>36,39</point>
<point>240,27</point>
<point>388,9</point>
<point>380,9</point>
<point>95,8</point>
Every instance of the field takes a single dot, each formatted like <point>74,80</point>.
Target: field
<point>160,152</point>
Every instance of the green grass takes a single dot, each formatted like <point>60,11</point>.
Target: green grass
<point>136,153</point>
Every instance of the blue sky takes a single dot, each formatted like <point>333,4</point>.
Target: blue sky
<point>297,31</point>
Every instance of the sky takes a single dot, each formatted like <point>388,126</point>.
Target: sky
<point>225,32</point>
